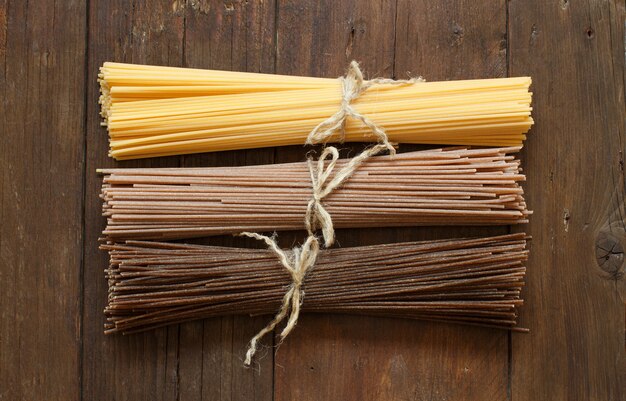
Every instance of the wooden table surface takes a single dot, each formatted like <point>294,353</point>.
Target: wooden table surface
<point>52,286</point>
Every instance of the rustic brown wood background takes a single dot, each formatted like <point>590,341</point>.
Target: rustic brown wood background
<point>52,289</point>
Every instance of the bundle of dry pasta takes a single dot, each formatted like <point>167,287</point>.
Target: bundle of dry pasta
<point>472,281</point>
<point>454,186</point>
<point>158,111</point>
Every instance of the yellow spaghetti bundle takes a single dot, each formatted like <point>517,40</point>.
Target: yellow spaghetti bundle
<point>159,111</point>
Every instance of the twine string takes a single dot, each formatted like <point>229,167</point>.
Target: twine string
<point>317,217</point>
<point>353,85</point>
<point>297,265</point>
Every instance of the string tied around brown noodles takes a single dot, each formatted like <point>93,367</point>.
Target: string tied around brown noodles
<point>302,259</point>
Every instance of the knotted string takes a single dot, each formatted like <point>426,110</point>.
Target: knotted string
<point>353,85</point>
<point>317,217</point>
<point>302,259</point>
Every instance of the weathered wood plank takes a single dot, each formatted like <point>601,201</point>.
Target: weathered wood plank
<point>145,365</point>
<point>42,57</point>
<point>347,357</point>
<point>442,41</point>
<point>574,52</point>
<point>236,36</point>
<point>574,161</point>
<point>450,39</point>
<point>321,38</point>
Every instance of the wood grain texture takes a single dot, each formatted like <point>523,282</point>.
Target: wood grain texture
<point>51,321</point>
<point>574,158</point>
<point>143,366</point>
<point>367,358</point>
<point>321,38</point>
<point>349,357</point>
<point>41,170</point>
<point>237,36</point>
<point>444,40</point>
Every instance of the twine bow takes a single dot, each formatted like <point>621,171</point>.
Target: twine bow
<point>303,258</point>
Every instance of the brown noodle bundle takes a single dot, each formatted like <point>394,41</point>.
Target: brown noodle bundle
<point>473,281</point>
<point>455,186</point>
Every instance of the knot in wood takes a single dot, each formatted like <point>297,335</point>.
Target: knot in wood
<point>610,254</point>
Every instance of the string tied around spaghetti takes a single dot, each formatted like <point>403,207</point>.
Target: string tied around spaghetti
<point>303,258</point>
<point>316,214</point>
<point>353,85</point>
